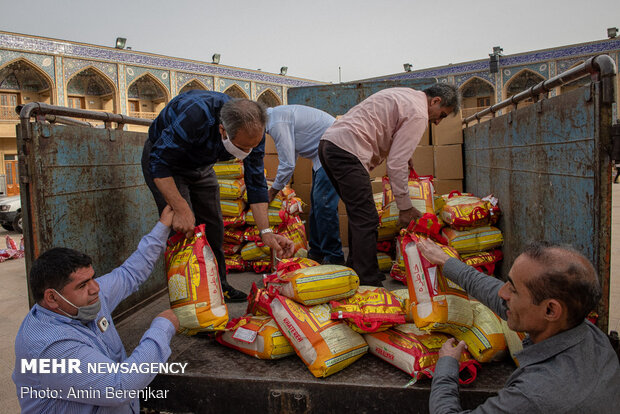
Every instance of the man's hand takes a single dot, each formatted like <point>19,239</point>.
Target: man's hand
<point>167,215</point>
<point>282,246</point>
<point>432,252</point>
<point>172,317</point>
<point>184,220</point>
<point>405,216</point>
<point>448,349</point>
<point>272,193</point>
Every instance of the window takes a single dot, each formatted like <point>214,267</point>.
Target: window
<point>484,101</point>
<point>76,102</point>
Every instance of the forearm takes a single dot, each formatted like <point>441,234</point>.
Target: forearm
<point>480,286</point>
<point>128,277</point>
<point>444,396</point>
<point>168,189</point>
<point>260,213</point>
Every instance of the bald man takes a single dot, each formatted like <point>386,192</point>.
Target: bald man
<point>567,364</point>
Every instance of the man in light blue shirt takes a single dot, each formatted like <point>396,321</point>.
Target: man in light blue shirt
<point>297,131</point>
<point>69,357</point>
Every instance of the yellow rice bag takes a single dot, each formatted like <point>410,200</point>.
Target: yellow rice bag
<point>484,338</point>
<point>232,208</point>
<point>275,217</point>
<point>326,346</point>
<point>194,287</point>
<point>474,240</point>
<point>385,261</point>
<point>514,340</point>
<point>316,284</point>
<point>231,189</point>
<point>228,169</point>
<point>258,336</point>
<point>251,251</point>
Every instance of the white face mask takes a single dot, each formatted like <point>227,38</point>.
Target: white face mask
<point>234,150</point>
<point>85,313</point>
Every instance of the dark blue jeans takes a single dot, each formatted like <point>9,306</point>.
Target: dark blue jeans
<point>324,240</point>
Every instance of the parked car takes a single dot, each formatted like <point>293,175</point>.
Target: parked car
<point>11,213</point>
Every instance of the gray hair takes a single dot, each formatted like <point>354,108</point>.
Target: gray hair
<point>449,94</point>
<point>242,113</point>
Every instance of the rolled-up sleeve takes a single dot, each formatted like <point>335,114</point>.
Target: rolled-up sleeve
<point>405,141</point>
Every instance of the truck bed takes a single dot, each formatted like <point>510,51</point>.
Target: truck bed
<point>222,380</point>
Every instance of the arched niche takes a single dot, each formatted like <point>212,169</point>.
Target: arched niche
<point>193,85</point>
<point>91,89</point>
<point>477,94</point>
<point>269,99</point>
<point>146,97</point>
<point>22,82</point>
<point>235,91</point>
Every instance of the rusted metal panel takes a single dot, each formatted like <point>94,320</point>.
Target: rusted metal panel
<point>339,98</point>
<point>86,191</point>
<point>549,165</point>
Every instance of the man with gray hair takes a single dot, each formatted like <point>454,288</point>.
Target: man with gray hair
<point>194,131</point>
<point>387,125</point>
<point>567,364</point>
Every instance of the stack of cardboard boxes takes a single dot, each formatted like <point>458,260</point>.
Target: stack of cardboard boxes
<point>447,147</point>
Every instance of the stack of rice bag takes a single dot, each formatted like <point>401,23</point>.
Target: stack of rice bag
<point>243,248</point>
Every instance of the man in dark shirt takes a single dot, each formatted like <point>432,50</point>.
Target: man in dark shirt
<point>194,131</point>
<point>567,364</point>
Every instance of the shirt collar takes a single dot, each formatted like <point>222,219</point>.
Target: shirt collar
<point>535,353</point>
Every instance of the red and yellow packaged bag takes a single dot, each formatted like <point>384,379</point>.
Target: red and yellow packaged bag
<point>421,192</point>
<point>252,251</point>
<point>434,298</point>
<point>371,309</point>
<point>258,336</point>
<point>260,266</point>
<point>259,301</point>
<point>194,284</point>
<point>234,263</point>
<point>232,208</point>
<point>416,352</point>
<point>483,261</point>
<point>326,346</point>
<point>514,340</point>
<point>234,222</point>
<point>385,261</point>
<point>228,169</point>
<point>231,249</point>
<point>398,274</point>
<point>233,235</point>
<point>465,212</point>
<point>293,229</point>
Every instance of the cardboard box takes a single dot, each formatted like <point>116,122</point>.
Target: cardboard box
<point>426,138</point>
<point>270,145</point>
<point>447,186</point>
<point>449,131</point>
<point>303,171</point>
<point>377,185</point>
<point>271,166</point>
<point>379,171</point>
<point>303,192</point>
<point>448,162</point>
<point>423,160</point>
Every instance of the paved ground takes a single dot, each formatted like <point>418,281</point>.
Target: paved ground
<point>14,303</point>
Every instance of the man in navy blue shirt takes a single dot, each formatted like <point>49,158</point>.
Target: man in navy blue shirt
<point>194,131</point>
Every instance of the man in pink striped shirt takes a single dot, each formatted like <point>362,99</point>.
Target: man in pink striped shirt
<point>388,124</point>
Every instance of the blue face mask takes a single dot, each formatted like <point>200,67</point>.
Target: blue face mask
<point>85,313</point>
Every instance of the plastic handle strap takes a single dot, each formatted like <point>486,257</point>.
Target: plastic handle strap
<point>287,267</point>
<point>367,326</point>
<point>468,367</point>
<point>454,192</point>
<point>413,175</point>
<point>428,224</point>
<point>478,213</point>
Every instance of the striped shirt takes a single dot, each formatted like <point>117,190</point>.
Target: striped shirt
<point>45,334</point>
